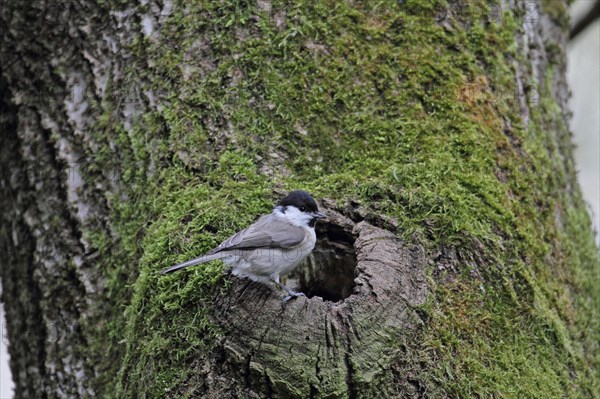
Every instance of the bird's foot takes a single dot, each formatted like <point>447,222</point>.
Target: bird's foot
<point>292,294</point>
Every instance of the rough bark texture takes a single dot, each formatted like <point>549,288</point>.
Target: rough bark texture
<point>324,340</point>
<point>458,259</point>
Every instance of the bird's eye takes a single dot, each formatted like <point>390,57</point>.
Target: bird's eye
<point>302,208</point>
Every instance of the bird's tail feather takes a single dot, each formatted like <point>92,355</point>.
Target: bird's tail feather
<point>192,262</point>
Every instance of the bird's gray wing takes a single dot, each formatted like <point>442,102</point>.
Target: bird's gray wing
<point>267,232</point>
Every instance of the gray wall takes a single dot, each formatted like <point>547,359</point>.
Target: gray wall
<point>584,80</point>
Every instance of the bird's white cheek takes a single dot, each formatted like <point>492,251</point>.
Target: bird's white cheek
<point>296,217</point>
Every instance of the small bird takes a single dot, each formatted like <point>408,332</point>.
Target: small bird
<point>271,247</point>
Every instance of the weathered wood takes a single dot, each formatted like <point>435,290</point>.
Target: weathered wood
<point>331,347</point>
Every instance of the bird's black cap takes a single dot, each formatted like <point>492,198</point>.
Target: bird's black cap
<point>300,199</point>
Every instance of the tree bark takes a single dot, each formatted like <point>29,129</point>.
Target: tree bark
<point>457,259</point>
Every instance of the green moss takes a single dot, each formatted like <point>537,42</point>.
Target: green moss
<point>375,103</point>
<point>172,311</point>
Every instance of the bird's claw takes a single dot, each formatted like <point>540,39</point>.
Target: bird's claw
<point>292,294</point>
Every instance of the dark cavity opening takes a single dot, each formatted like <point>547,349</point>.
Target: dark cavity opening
<point>329,271</point>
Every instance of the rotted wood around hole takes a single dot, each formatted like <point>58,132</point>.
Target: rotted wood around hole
<point>363,284</point>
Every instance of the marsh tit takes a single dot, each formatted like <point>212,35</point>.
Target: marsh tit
<point>271,247</point>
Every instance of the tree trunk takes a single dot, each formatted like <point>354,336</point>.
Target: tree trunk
<point>458,258</point>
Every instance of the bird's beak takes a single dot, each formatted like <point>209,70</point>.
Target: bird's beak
<point>319,215</point>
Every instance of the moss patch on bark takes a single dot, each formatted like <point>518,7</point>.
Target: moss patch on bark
<point>400,107</point>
